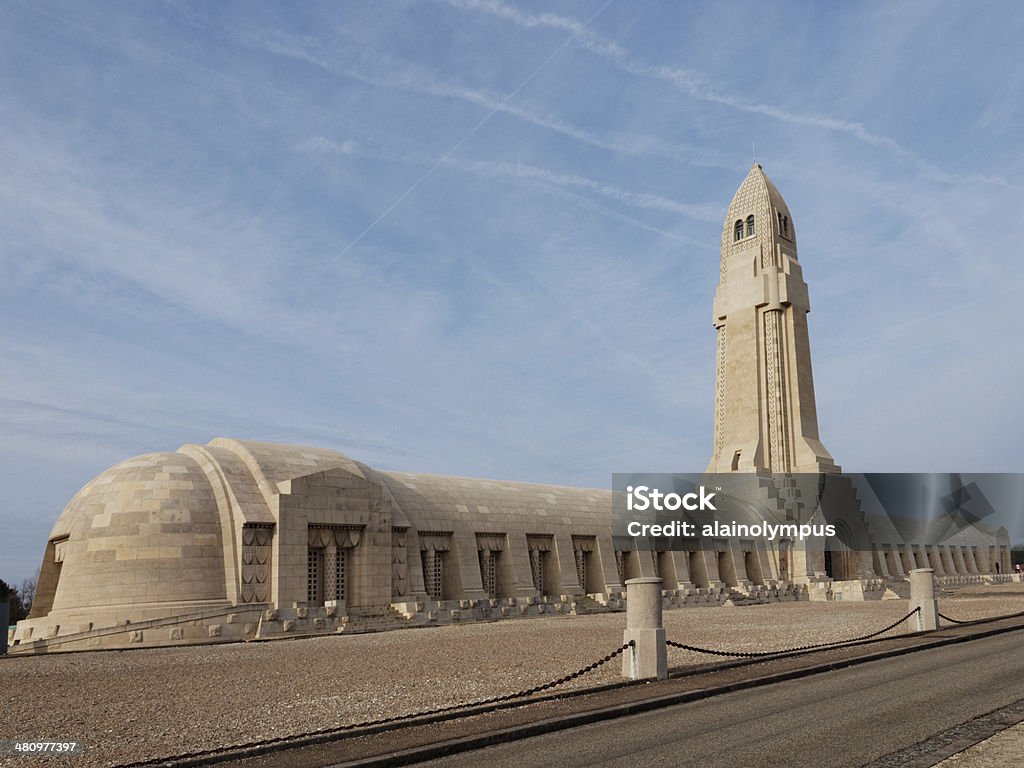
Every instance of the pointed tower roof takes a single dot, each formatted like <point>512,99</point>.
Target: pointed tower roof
<point>757,184</point>
<point>757,196</point>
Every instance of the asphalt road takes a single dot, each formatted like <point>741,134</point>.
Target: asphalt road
<point>843,718</point>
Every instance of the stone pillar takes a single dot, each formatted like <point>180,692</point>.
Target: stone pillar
<point>609,572</point>
<point>971,560</point>
<point>878,554</point>
<point>739,565</point>
<point>921,556</point>
<point>565,559</point>
<point>681,563</point>
<point>922,595</point>
<point>699,570</point>
<point>463,577</point>
<point>960,561</point>
<point>895,561</point>
<point>648,658</point>
<point>947,561</point>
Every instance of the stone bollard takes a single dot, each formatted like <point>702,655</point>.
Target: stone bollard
<point>648,658</point>
<point>922,595</point>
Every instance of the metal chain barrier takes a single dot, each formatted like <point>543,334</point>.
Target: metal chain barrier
<point>757,654</point>
<point>388,720</point>
<point>944,617</point>
<point>553,683</point>
<point>951,621</point>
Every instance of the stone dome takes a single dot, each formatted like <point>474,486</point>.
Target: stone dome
<point>147,530</point>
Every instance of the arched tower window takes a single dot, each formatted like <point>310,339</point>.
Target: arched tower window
<point>737,231</point>
<point>785,225</point>
<point>750,225</point>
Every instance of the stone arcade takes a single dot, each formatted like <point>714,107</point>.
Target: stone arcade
<point>243,540</point>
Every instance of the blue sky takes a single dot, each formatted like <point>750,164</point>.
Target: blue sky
<point>481,238</point>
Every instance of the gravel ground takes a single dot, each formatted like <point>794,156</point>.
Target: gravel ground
<point>141,704</point>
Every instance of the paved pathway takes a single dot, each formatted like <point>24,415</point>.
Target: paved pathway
<point>844,718</point>
<point>1004,749</point>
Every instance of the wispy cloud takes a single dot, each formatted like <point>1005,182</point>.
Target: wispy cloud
<point>502,169</point>
<point>376,69</point>
<point>698,86</point>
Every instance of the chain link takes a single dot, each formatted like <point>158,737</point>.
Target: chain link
<point>758,654</point>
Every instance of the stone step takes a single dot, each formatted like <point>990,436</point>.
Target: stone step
<point>585,606</point>
<point>736,598</point>
<point>896,590</point>
<point>372,620</point>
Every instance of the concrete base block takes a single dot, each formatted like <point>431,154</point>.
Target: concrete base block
<point>649,658</point>
<point>922,595</point>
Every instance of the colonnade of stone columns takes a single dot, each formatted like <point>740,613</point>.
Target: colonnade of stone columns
<point>895,561</point>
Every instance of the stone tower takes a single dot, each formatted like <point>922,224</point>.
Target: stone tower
<point>765,417</point>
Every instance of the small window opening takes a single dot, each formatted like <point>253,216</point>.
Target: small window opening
<point>738,230</point>
<point>750,225</point>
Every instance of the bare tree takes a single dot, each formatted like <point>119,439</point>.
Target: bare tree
<point>27,592</point>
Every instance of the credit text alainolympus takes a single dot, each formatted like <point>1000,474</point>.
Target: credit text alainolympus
<point>772,532</point>
<point>643,498</point>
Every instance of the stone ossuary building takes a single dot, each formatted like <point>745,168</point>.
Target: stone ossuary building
<point>242,540</point>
